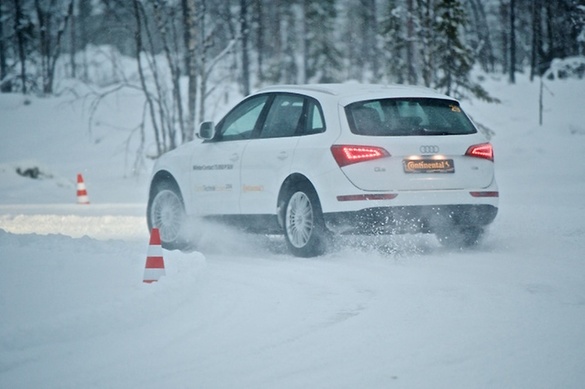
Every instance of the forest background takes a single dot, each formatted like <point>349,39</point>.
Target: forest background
<point>190,54</point>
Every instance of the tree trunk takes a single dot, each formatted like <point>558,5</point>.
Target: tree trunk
<point>244,36</point>
<point>55,48</point>
<point>139,47</point>
<point>258,13</point>
<point>412,77</point>
<point>84,18</point>
<point>535,57</point>
<point>426,37</point>
<point>551,44</point>
<point>73,44</point>
<point>504,38</point>
<point>482,29</point>
<point>512,74</point>
<point>174,68</point>
<point>5,84</point>
<point>303,42</point>
<point>50,40</point>
<point>202,61</point>
<point>44,29</point>
<point>20,38</point>
<point>190,36</point>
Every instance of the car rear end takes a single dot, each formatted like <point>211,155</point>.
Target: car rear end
<point>412,164</point>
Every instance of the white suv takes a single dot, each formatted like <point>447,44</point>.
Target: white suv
<point>312,161</point>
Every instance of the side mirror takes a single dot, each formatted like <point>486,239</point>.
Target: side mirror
<point>206,130</point>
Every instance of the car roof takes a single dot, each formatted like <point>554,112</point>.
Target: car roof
<point>347,93</point>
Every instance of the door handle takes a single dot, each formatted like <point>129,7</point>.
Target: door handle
<point>282,155</point>
<point>234,157</point>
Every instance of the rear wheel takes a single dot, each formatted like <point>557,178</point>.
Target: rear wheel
<point>460,237</point>
<point>304,228</point>
<point>167,213</point>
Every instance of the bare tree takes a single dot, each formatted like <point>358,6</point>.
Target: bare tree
<point>244,32</point>
<point>512,70</point>
<point>412,77</point>
<point>149,98</point>
<point>48,15</point>
<point>425,13</point>
<point>536,51</point>
<point>21,26</point>
<point>394,41</point>
<point>190,37</point>
<point>5,83</point>
<point>164,16</point>
<point>484,45</point>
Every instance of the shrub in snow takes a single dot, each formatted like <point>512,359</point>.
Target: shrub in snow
<point>570,67</point>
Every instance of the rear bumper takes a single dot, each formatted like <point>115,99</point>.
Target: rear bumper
<point>410,219</point>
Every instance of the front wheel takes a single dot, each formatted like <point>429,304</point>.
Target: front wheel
<point>167,213</point>
<point>304,228</point>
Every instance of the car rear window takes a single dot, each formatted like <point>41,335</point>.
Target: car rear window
<point>408,116</point>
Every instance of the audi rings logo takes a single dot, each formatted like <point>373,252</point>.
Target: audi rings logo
<point>429,149</point>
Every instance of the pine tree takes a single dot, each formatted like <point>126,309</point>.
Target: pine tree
<point>323,58</point>
<point>453,58</point>
<point>394,42</point>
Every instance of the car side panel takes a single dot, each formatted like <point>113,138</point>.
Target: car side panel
<point>265,165</point>
<point>214,179</point>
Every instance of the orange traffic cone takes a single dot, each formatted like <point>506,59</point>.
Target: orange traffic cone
<point>155,264</point>
<point>81,191</point>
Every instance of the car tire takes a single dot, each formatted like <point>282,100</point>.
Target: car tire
<point>460,238</point>
<point>166,212</point>
<point>304,227</point>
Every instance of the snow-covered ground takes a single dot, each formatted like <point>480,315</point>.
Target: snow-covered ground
<point>380,313</point>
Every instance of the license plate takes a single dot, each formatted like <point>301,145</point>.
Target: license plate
<point>428,166</point>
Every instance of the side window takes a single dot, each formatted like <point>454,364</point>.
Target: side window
<point>283,117</point>
<point>315,123</point>
<point>241,122</point>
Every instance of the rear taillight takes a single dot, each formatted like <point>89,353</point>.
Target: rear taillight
<point>346,155</point>
<point>484,150</point>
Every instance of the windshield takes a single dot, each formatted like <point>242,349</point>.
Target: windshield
<point>408,116</point>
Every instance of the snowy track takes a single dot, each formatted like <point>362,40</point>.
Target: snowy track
<point>245,316</point>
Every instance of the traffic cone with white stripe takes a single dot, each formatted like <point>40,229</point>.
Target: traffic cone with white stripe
<point>81,191</point>
<point>155,264</point>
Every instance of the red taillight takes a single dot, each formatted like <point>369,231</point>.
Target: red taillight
<point>484,150</point>
<point>346,155</point>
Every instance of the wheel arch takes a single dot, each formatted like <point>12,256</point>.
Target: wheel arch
<point>162,176</point>
<point>162,183</point>
<point>158,178</point>
<point>292,181</point>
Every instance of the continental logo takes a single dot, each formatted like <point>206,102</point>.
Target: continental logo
<point>252,188</point>
<point>426,166</point>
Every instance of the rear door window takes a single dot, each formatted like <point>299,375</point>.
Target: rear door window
<point>411,116</point>
<point>292,115</point>
<point>283,117</point>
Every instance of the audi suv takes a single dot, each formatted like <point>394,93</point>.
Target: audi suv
<point>313,162</point>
